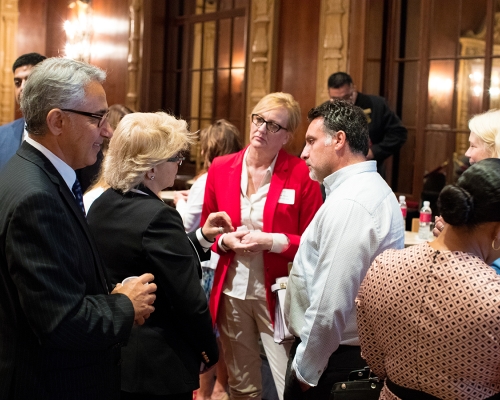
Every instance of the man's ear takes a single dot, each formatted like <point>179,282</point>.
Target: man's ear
<point>55,121</point>
<point>340,136</point>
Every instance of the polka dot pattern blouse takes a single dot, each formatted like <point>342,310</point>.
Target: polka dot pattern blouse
<point>430,321</point>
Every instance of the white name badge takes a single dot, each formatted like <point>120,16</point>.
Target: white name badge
<point>287,196</point>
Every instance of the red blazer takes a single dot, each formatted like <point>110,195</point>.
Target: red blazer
<point>222,193</point>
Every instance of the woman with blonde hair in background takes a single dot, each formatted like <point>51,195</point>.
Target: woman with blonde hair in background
<point>484,142</point>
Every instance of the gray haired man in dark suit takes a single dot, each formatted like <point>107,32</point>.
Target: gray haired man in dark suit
<point>62,323</point>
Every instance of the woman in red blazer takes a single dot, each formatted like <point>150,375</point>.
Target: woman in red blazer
<point>271,199</point>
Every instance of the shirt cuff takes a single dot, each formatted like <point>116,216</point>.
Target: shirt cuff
<point>297,374</point>
<point>221,245</point>
<point>280,243</point>
<point>203,242</point>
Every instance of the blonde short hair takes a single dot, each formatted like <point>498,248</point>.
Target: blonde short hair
<point>487,127</point>
<point>140,142</point>
<point>279,99</point>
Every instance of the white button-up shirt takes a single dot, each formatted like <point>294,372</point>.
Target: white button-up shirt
<point>359,219</point>
<point>245,276</point>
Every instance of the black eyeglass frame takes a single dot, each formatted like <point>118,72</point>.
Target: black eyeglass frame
<point>268,124</point>
<point>177,159</point>
<point>101,117</point>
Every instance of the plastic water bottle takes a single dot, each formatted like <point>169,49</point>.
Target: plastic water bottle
<point>404,209</point>
<point>424,230</point>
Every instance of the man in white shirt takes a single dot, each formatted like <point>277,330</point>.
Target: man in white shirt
<point>359,219</point>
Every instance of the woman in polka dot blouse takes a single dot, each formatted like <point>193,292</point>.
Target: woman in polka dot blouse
<point>429,315</point>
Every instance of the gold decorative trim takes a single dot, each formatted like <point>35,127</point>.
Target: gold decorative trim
<point>333,40</point>
<point>261,53</point>
<point>134,54</point>
<point>9,15</point>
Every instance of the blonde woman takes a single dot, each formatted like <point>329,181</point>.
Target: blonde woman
<point>136,231</point>
<point>484,142</point>
<point>271,199</point>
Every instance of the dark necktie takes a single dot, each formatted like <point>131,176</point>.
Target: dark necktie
<point>77,191</point>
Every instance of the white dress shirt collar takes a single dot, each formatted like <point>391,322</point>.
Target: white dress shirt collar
<point>331,182</point>
<point>67,173</point>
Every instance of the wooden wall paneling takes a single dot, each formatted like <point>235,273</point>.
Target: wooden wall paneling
<point>32,27</point>
<point>134,54</point>
<point>110,44</point>
<point>297,55</point>
<point>8,27</point>
<point>356,43</point>
<point>332,43</point>
<point>57,13</point>
<point>421,111</point>
<point>262,47</point>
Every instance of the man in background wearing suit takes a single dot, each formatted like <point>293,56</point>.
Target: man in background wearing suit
<point>11,134</point>
<point>62,323</point>
<point>387,133</point>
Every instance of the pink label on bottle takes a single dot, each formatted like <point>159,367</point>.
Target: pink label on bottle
<point>424,217</point>
<point>403,211</point>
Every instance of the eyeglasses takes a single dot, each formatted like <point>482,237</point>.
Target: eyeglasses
<point>177,159</point>
<point>272,127</point>
<point>100,117</point>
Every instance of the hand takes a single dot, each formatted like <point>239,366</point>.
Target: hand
<point>303,386</point>
<point>216,224</point>
<point>180,195</point>
<point>258,241</point>
<point>438,226</point>
<point>141,295</point>
<point>233,241</point>
<point>204,369</point>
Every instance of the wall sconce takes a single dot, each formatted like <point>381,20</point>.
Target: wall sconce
<point>79,30</point>
<point>440,92</point>
<point>476,80</point>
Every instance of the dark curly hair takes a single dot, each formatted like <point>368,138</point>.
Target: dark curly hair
<point>340,115</point>
<point>475,198</point>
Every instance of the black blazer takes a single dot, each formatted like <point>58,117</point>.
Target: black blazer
<point>138,233</point>
<point>60,331</point>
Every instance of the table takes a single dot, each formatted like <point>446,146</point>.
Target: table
<point>411,238</point>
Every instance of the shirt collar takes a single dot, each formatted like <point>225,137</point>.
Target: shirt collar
<point>331,182</point>
<point>67,173</point>
<point>244,171</point>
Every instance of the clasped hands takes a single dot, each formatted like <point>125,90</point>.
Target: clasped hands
<point>244,241</point>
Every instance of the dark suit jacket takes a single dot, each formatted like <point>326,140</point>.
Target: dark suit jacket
<point>11,135</point>
<point>60,331</point>
<point>138,233</point>
<point>387,133</point>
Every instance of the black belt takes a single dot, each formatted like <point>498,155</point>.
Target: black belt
<point>412,394</point>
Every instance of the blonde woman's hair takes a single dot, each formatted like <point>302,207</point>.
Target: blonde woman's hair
<point>140,142</point>
<point>218,139</point>
<point>487,127</point>
<point>277,100</point>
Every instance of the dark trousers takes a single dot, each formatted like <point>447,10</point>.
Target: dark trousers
<point>341,362</point>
